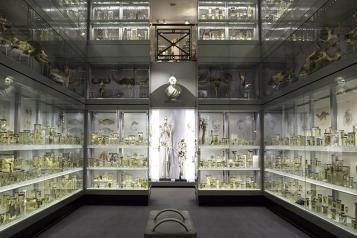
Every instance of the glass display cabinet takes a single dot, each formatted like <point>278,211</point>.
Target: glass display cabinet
<point>227,20</point>
<point>227,82</point>
<point>120,20</point>
<point>68,17</point>
<point>32,46</point>
<point>318,45</point>
<point>228,152</point>
<point>119,81</point>
<point>273,12</point>
<point>118,151</point>
<point>280,18</point>
<point>41,152</point>
<point>310,153</point>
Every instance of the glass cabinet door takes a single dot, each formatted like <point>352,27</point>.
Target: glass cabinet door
<point>118,151</point>
<point>120,20</point>
<point>229,154</point>
<point>227,20</point>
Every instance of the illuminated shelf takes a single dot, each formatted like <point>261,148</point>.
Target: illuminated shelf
<point>229,189</point>
<point>235,21</point>
<point>313,181</point>
<point>236,147</point>
<point>214,147</point>
<point>340,149</point>
<point>15,147</point>
<point>117,21</point>
<point>38,180</point>
<point>245,147</point>
<point>119,189</point>
<point>346,228</point>
<point>3,227</point>
<point>229,169</point>
<point>118,168</point>
<point>115,146</point>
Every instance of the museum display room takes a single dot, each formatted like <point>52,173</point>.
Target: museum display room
<point>246,102</point>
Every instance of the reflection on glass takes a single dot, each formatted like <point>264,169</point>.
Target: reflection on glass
<point>119,82</point>
<point>216,82</point>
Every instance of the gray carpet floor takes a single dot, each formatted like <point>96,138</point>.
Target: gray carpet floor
<point>210,222</point>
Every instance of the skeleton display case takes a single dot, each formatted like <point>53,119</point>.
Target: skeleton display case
<point>227,20</point>
<point>172,145</point>
<point>28,40</point>
<point>310,153</point>
<point>120,20</point>
<point>119,81</point>
<point>215,81</point>
<point>228,151</point>
<point>41,152</point>
<point>318,45</point>
<point>118,151</point>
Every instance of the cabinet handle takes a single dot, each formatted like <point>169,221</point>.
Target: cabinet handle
<point>169,210</point>
<point>170,220</point>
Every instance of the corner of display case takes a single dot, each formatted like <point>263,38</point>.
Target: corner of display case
<point>307,137</point>
<point>35,224</point>
<point>306,221</point>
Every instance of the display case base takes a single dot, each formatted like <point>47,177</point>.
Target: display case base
<point>172,184</point>
<point>228,200</point>
<point>126,198</point>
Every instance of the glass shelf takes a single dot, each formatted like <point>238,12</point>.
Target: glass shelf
<point>224,189</point>
<point>116,146</point>
<point>118,189</point>
<point>116,168</point>
<point>38,180</point>
<point>237,147</point>
<point>313,181</point>
<point>229,169</point>
<point>340,149</point>
<point>39,147</point>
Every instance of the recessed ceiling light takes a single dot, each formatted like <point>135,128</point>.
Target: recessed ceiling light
<point>173,4</point>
